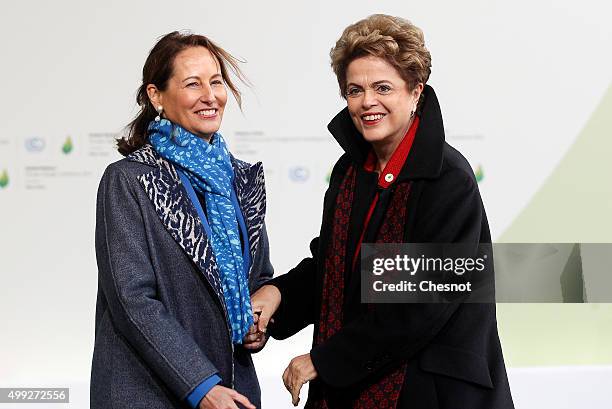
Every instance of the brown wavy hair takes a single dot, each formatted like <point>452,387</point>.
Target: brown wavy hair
<point>158,69</point>
<point>393,39</point>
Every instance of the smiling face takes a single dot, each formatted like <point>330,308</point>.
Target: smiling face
<point>195,95</point>
<point>379,101</point>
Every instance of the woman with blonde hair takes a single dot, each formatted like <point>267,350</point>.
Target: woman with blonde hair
<point>397,182</point>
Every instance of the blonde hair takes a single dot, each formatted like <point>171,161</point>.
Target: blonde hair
<point>394,39</point>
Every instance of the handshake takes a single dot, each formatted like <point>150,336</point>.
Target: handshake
<point>265,302</point>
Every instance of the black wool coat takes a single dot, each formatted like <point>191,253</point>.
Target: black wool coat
<point>453,354</point>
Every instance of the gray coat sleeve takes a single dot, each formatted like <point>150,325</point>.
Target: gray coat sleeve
<point>128,281</point>
<point>262,268</point>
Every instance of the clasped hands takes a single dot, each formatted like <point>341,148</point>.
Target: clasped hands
<point>265,302</point>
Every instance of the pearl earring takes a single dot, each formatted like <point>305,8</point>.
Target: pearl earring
<point>159,112</point>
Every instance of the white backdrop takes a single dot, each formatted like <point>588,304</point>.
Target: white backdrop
<point>517,82</point>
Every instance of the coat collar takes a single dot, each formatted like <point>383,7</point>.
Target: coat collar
<point>425,158</point>
<point>179,216</point>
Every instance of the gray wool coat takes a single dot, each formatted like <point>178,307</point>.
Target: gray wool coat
<point>161,323</point>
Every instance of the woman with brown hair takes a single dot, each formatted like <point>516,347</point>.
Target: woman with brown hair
<point>397,182</point>
<point>180,244</point>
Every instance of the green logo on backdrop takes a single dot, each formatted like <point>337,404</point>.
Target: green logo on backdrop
<point>479,174</point>
<point>67,147</point>
<point>4,179</point>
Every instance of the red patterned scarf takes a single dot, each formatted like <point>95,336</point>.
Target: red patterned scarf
<point>385,391</point>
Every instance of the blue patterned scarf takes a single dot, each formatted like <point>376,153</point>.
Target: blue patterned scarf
<point>209,169</point>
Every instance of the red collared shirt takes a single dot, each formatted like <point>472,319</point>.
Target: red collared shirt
<point>388,175</point>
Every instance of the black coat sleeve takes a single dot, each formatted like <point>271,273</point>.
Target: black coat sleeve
<point>449,210</point>
<point>297,287</point>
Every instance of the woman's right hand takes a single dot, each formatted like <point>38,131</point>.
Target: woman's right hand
<point>265,302</point>
<point>220,397</point>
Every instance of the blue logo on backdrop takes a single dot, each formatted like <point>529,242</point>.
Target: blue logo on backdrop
<point>34,144</point>
<point>299,174</point>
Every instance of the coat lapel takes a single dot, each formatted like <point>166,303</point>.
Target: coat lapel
<point>251,192</point>
<point>178,214</point>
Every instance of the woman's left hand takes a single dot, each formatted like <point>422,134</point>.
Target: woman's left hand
<point>299,371</point>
